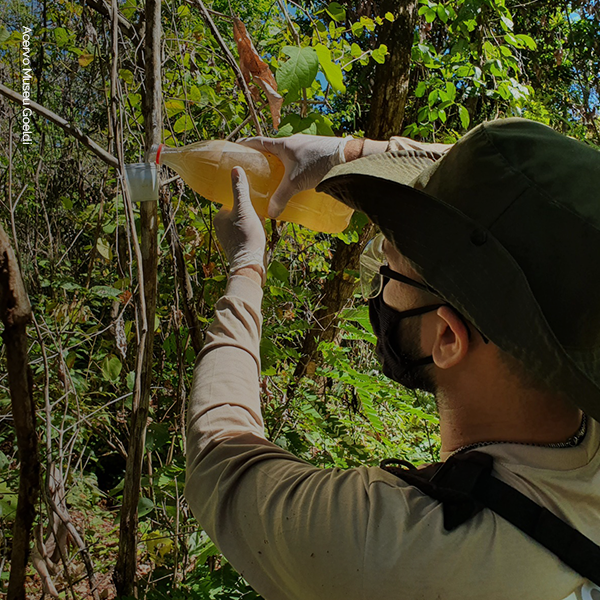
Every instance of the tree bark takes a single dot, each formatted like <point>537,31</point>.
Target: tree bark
<point>125,570</point>
<point>388,99</point>
<point>390,86</point>
<point>15,312</point>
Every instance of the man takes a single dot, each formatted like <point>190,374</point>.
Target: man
<point>485,289</point>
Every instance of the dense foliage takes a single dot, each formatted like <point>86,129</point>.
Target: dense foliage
<point>472,60</point>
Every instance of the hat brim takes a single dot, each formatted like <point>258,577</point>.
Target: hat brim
<point>434,235</point>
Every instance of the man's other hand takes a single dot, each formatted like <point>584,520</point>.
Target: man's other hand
<point>240,230</point>
<point>306,158</point>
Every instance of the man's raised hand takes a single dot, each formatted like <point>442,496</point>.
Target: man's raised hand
<point>306,158</point>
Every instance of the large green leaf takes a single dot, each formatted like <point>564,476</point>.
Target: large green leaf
<point>111,368</point>
<point>332,71</point>
<point>299,71</point>
<point>336,11</point>
<point>183,124</point>
<point>61,35</point>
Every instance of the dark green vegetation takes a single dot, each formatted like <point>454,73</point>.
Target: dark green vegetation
<point>471,60</point>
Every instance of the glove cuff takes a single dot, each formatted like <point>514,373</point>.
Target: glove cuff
<point>249,259</point>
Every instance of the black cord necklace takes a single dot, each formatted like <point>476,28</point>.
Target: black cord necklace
<point>573,441</point>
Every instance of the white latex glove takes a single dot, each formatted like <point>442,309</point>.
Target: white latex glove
<point>240,230</point>
<point>306,158</point>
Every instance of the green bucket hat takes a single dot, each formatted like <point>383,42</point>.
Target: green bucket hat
<point>506,227</point>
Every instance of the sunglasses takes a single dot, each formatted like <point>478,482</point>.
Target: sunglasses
<point>374,270</point>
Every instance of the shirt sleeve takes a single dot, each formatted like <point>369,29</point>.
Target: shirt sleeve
<point>271,514</point>
<point>436,151</point>
<point>225,397</point>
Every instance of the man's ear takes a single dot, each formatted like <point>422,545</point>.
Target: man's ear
<point>451,338</point>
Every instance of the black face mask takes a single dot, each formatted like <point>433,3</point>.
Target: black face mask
<point>397,358</point>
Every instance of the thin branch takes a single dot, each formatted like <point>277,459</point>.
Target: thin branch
<point>88,142</point>
<point>231,60</point>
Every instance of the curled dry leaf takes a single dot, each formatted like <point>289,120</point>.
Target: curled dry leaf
<point>252,64</point>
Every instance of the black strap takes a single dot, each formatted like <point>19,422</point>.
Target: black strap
<point>465,485</point>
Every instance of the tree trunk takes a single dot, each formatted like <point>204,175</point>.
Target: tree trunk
<point>125,570</point>
<point>15,313</point>
<point>388,99</point>
<point>390,86</point>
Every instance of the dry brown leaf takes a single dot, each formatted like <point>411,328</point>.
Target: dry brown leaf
<point>252,64</point>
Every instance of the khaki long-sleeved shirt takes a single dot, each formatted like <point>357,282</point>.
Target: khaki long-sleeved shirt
<point>299,532</point>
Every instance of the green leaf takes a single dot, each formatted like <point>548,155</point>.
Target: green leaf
<point>4,34</point>
<point>129,7</point>
<point>61,36</point>
<point>105,291</point>
<point>336,11</point>
<point>183,10</point>
<point>130,380</point>
<point>463,113</point>
<point>103,248</point>
<point>127,76</point>
<point>430,15</point>
<point>175,106</point>
<point>356,50</point>
<point>367,23</point>
<point>183,124</point>
<point>369,410</point>
<point>357,29</point>
<point>210,550</point>
<point>111,368</point>
<point>299,71</point>
<point>433,97</point>
<point>450,91</point>
<point>278,271</point>
<point>442,13</point>
<point>506,23</point>
<point>527,41</point>
<point>380,53</point>
<point>333,72</point>
<point>390,17</point>
<point>4,462</point>
<point>145,506</point>
<point>421,89</point>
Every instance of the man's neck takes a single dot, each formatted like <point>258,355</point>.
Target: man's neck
<point>518,416</point>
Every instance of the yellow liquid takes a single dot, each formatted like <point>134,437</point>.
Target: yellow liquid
<point>206,168</point>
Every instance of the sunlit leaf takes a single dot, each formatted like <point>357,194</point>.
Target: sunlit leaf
<point>299,71</point>
<point>183,124</point>
<point>61,36</point>
<point>126,75</point>
<point>332,71</point>
<point>465,119</point>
